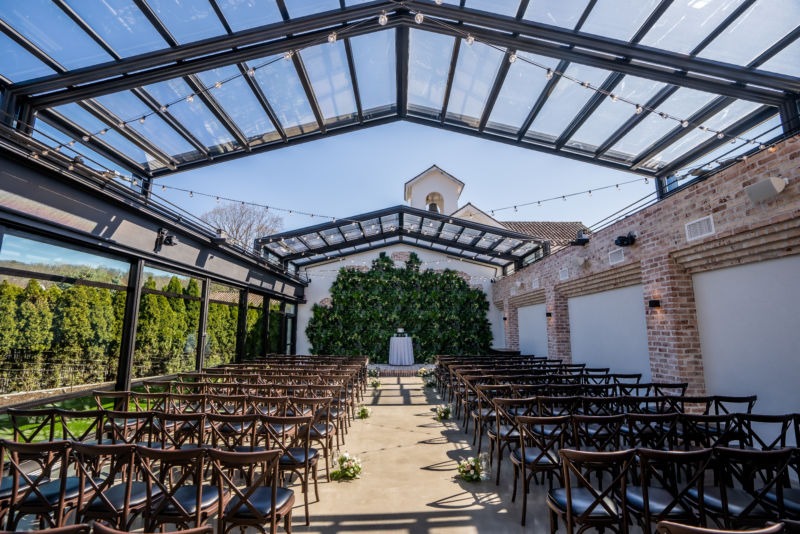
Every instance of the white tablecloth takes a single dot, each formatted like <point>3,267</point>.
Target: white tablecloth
<point>401,351</point>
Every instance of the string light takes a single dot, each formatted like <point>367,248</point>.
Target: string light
<point>639,109</point>
<point>470,39</point>
<point>85,138</point>
<point>684,123</point>
<point>383,19</point>
<point>332,37</point>
<point>512,57</point>
<point>549,74</point>
<point>288,55</point>
<point>251,72</point>
<point>163,109</point>
<point>614,97</point>
<point>217,84</point>
<point>419,17</point>
<point>141,121</point>
<point>190,98</point>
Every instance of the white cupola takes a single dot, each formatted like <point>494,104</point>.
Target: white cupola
<point>434,190</point>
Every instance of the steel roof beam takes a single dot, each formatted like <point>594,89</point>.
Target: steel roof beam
<point>541,100</point>
<point>351,67</point>
<point>302,74</point>
<point>262,99</point>
<point>497,86</point>
<point>589,108</point>
<point>401,67</point>
<point>451,75</point>
<point>216,109</point>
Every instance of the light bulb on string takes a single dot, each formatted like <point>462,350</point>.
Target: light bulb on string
<point>419,18</point>
<point>549,74</point>
<point>191,194</point>
<point>512,57</point>
<point>332,37</point>
<point>251,72</point>
<point>613,97</point>
<point>190,98</point>
<point>142,119</point>
<point>104,131</point>
<point>163,109</point>
<point>383,19</point>
<point>470,39</point>
<point>772,149</point>
<point>684,123</point>
<point>288,55</point>
<point>720,135</point>
<point>217,84</point>
<point>639,109</point>
<point>85,138</point>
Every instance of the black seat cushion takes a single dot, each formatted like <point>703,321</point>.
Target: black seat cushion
<point>534,456</point>
<point>581,500</point>
<point>738,500</point>
<point>261,499</point>
<point>658,498</point>
<point>187,497</point>
<point>116,496</point>
<point>297,456</point>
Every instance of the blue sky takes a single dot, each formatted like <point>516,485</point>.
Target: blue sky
<point>365,170</point>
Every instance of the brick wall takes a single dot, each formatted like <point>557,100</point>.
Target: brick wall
<point>663,261</point>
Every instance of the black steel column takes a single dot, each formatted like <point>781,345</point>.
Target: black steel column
<point>241,327</point>
<point>129,324</point>
<point>200,357</point>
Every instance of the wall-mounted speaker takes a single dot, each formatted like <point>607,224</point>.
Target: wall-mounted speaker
<point>765,189</point>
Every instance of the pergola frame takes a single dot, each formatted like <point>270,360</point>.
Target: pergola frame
<point>776,93</point>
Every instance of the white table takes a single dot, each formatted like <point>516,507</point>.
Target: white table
<point>401,351</point>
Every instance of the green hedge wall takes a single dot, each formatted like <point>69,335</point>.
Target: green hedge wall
<point>438,309</point>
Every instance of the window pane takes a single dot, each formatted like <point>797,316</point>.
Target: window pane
<point>188,20</point>
<point>686,23</point>
<point>17,64</point>
<point>243,15</point>
<point>53,32</point>
<point>194,115</point>
<point>301,8</point>
<point>522,87</point>
<point>501,7</point>
<point>428,66</point>
<point>754,31</point>
<point>476,70</point>
<point>254,345</point>
<point>619,19</point>
<point>238,100</point>
<point>683,103</point>
<point>610,115</point>
<point>787,61</point>
<point>121,24</point>
<point>564,13</point>
<point>158,132</point>
<point>565,101</point>
<point>280,83</point>
<point>329,75</point>
<point>375,65</point>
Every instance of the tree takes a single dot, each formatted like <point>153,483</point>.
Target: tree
<point>243,222</point>
<point>8,317</point>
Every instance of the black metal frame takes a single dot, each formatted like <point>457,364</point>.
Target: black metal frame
<point>620,58</point>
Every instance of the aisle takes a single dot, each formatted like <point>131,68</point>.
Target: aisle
<point>408,483</point>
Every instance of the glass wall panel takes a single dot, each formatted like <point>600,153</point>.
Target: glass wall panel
<point>254,345</point>
<point>476,70</point>
<point>223,318</point>
<point>375,64</point>
<point>281,85</point>
<point>329,75</point>
<point>61,312</point>
<point>167,331</point>
<point>428,64</point>
<point>275,327</point>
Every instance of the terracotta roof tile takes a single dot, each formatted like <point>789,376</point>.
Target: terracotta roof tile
<point>557,232</point>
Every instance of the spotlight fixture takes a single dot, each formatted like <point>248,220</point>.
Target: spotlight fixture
<point>625,240</point>
<point>164,239</point>
<point>581,239</point>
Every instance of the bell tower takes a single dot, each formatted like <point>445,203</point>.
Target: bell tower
<point>434,190</point>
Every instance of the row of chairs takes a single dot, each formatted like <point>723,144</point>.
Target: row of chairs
<point>614,489</point>
<point>119,483</point>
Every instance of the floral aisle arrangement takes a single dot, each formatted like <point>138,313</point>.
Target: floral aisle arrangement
<point>443,412</point>
<point>375,383</point>
<point>427,376</point>
<point>348,467</point>
<point>474,468</point>
<point>363,412</point>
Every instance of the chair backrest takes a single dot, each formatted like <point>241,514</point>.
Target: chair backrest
<point>258,469</point>
<point>81,425</point>
<point>236,432</point>
<point>165,473</point>
<point>651,430</point>
<point>149,402</point>
<point>725,404</point>
<point>100,528</point>
<point>179,430</point>
<point>676,475</point>
<point>763,432</point>
<point>669,527</point>
<point>268,404</point>
<point>542,437</point>
<point>100,467</point>
<point>226,404</point>
<point>80,528</point>
<point>31,488</point>
<point>549,406</point>
<point>596,432</point>
<point>706,431</point>
<point>112,400</point>
<point>129,427</point>
<point>605,501</point>
<point>186,403</point>
<point>290,434</point>
<point>33,425</point>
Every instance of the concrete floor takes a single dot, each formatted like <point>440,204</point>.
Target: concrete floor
<point>408,484</point>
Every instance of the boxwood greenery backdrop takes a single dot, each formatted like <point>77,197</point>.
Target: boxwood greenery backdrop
<point>438,310</point>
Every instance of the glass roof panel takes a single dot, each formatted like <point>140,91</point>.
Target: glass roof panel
<point>476,70</point>
<point>787,61</point>
<point>301,8</point>
<point>754,31</point>
<point>736,111</point>
<point>521,88</point>
<point>53,32</point>
<point>411,222</point>
<point>564,13</point>
<point>351,231</point>
<point>188,20</point>
<point>17,64</point>
<point>126,106</point>
<point>469,235</point>
<point>194,115</point>
<point>242,15</point>
<point>501,7</point>
<point>389,222</point>
<point>428,65</point>
<point>329,74</point>
<point>376,71</point>
<point>90,123</point>
<point>620,19</point>
<point>121,24</point>
<point>430,227</point>
<point>280,83</point>
<point>683,103</point>
<point>686,23</point>
<point>566,99</point>
<point>332,236</point>
<point>236,98</point>
<point>610,115</point>
<point>371,227</point>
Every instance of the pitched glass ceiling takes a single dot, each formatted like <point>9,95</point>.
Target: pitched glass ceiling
<point>658,87</point>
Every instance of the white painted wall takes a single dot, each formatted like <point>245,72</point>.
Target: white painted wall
<point>533,329</point>
<point>323,276</point>
<point>608,329</point>
<point>435,182</point>
<point>750,332</point>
